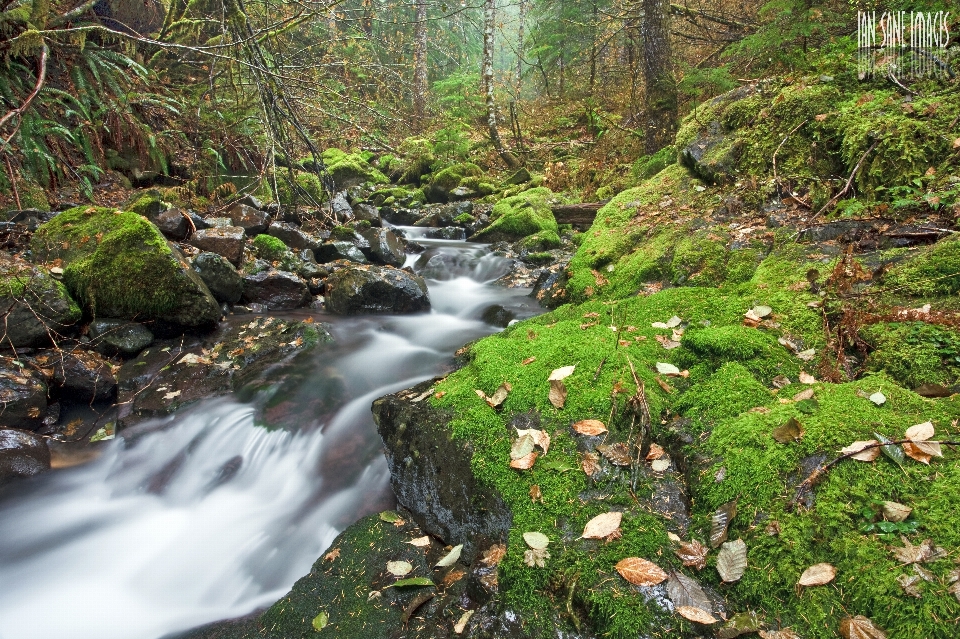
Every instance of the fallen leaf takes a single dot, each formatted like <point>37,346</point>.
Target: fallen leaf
<point>391,517</point>
<point>693,553</point>
<point>790,431</point>
<point>685,591</point>
<point>662,384</point>
<point>913,451</point>
<point>878,398</point>
<point>558,394</point>
<point>536,557</point>
<point>618,454</point>
<point>667,343</point>
<point>561,373</point>
<point>536,540</point>
<point>920,432</point>
<point>780,381</point>
<point>860,627</point>
<point>909,583</point>
<point>720,522</point>
<point>665,368</point>
<point>910,554</point>
<point>589,462</point>
<point>540,437</point>
<point>172,395</point>
<point>590,427</point>
<point>891,450</point>
<point>656,452</point>
<point>451,557</point>
<point>522,447</point>
<point>640,572</point>
<point>528,361</point>
<point>895,512</point>
<point>412,581</point>
<point>670,323</point>
<point>820,117</point>
<point>602,525</point>
<point>807,355</point>
<point>807,378</point>
<point>742,623</point>
<point>804,394</point>
<point>420,542</point>
<point>868,454</point>
<point>333,554</point>
<point>524,463</point>
<point>818,575</point>
<point>592,315</point>
<point>493,555</point>
<point>732,560</point>
<point>399,568</point>
<point>696,615</point>
<point>783,633</point>
<point>461,625</point>
<point>535,494</point>
<point>660,465</point>
<point>320,621</point>
<point>500,395</point>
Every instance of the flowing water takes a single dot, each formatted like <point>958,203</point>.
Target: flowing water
<point>209,515</point>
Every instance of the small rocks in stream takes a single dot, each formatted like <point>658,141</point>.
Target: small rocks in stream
<point>119,337</point>
<point>22,454</point>
<point>275,290</point>
<point>23,394</point>
<point>223,280</point>
<point>227,241</point>
<point>356,290</point>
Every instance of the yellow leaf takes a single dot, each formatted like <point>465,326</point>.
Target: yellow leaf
<point>640,572</point>
<point>602,525</point>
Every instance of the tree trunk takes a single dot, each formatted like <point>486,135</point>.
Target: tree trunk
<point>660,88</point>
<point>488,27</point>
<point>519,74</point>
<point>420,67</point>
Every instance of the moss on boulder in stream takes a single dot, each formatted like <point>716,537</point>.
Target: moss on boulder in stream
<point>519,216</point>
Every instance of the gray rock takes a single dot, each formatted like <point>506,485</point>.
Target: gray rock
<point>220,276</point>
<point>251,220</point>
<point>276,290</point>
<point>447,233</point>
<point>520,176</point>
<point>22,454</point>
<point>339,250</point>
<point>23,396</point>
<point>550,288</point>
<point>34,303</point>
<point>251,201</point>
<point>461,193</point>
<point>216,222</point>
<point>355,290</point>
<point>172,224</point>
<point>401,217</point>
<point>713,153</point>
<point>79,374</point>
<point>118,337</point>
<point>227,241</point>
<point>292,236</point>
<point>439,488</point>
<point>385,246</point>
<point>309,268</point>
<point>342,211</point>
<point>368,212</point>
<point>497,315</point>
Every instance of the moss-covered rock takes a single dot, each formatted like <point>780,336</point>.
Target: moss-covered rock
<point>36,307</point>
<point>448,179</point>
<point>417,157</point>
<point>309,189</point>
<point>932,271</point>
<point>118,265</point>
<point>516,217</point>
<point>914,353</point>
<point>350,169</point>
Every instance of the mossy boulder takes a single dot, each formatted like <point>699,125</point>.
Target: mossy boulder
<point>36,306</point>
<point>117,264</point>
<point>914,353</point>
<point>308,189</point>
<point>350,169</point>
<point>932,271</point>
<point>417,157</point>
<point>448,179</point>
<point>354,290</point>
<point>516,217</point>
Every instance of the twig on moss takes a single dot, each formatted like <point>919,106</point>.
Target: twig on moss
<point>821,470</point>
<point>846,187</point>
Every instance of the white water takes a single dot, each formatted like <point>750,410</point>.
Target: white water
<point>210,516</point>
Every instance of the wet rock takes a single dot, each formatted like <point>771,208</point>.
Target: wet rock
<point>431,474</point>
<point>220,276</point>
<point>163,379</point>
<point>226,241</point>
<point>252,201</point>
<point>251,220</point>
<point>368,212</point>
<point>385,246</point>
<point>172,223</point>
<point>34,303</point>
<point>23,395</point>
<point>356,290</point>
<point>497,315</point>
<point>293,237</point>
<point>550,286</point>
<point>118,337</point>
<point>276,290</point>
<point>340,250</point>
<point>712,154</point>
<point>29,218</point>
<point>401,216</point>
<point>447,233</point>
<point>78,374</point>
<point>309,269</point>
<point>22,454</point>
<point>342,211</point>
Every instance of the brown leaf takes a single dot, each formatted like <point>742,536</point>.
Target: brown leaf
<point>618,454</point>
<point>913,451</point>
<point>453,577</point>
<point>667,343</point>
<point>640,572</point>
<point>895,512</point>
<point>592,315</point>
<point>954,589</point>
<point>494,555</point>
<point>500,395</point>
<point>667,388</point>
<point>656,452</point>
<point>783,633</point>
<point>524,463</point>
<point>591,427</point>
<point>602,525</point>
<point>790,431</point>
<point>807,393</point>
<point>589,462</point>
<point>535,494</point>
<point>720,521</point>
<point>910,584</point>
<point>529,360</point>
<point>807,378</point>
<point>558,393</point>
<point>820,117</point>
<point>333,554</point>
<point>696,615</point>
<point>860,627</point>
<point>932,390</point>
<point>685,591</point>
<point>693,553</point>
<point>817,575</point>
<point>732,560</point>
<point>540,437</point>
<point>911,554</point>
<point>868,454</point>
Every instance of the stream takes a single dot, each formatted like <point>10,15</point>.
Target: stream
<point>209,515</point>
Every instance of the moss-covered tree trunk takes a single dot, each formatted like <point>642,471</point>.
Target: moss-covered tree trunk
<point>660,88</point>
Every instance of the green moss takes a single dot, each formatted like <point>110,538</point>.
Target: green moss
<point>418,156</point>
<point>450,177</point>
<point>914,353</point>
<point>147,204</point>
<point>932,271</point>
<point>699,260</point>
<point>464,218</point>
<point>307,183</point>
<point>763,474</point>
<point>541,241</point>
<point>478,185</point>
<point>351,168</point>
<point>343,233</point>
<point>269,248</point>
<point>727,393</point>
<point>521,215</point>
<point>743,263</point>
